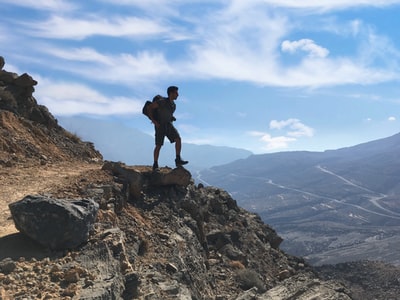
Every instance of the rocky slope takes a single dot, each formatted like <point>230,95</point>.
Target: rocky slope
<point>156,235</point>
<point>29,133</point>
<point>174,242</point>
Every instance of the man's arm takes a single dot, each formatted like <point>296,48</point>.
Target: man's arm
<point>150,110</point>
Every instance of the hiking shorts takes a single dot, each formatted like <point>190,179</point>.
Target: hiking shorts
<point>166,130</point>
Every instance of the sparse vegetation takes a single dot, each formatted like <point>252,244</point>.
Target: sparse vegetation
<point>73,136</point>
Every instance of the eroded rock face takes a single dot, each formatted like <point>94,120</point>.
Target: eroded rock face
<point>28,131</point>
<point>54,223</point>
<point>16,96</point>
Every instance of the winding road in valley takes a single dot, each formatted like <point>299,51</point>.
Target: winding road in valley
<point>374,197</point>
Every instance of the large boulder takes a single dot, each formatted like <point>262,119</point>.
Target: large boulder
<point>136,178</point>
<point>55,223</point>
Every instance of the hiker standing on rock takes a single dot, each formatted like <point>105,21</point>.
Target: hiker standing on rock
<point>161,113</point>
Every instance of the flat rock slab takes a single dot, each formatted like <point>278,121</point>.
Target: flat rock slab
<point>136,177</point>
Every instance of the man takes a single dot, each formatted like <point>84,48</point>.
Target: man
<point>163,125</point>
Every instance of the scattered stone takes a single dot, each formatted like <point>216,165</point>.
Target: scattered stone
<point>171,268</point>
<point>7,266</point>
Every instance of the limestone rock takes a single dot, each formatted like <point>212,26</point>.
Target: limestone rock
<point>54,223</point>
<point>304,287</point>
<point>179,176</point>
<point>136,178</point>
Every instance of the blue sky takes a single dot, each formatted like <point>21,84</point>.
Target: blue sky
<point>267,76</point>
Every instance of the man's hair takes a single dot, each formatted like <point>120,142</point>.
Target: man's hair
<point>172,89</point>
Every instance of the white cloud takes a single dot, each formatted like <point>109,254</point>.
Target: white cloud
<point>293,130</point>
<point>239,41</point>
<point>305,45</point>
<point>78,28</point>
<point>121,68</point>
<point>392,119</point>
<point>295,127</point>
<point>225,44</point>
<point>272,143</point>
<point>329,4</point>
<point>241,49</point>
<point>71,99</point>
<point>51,5</point>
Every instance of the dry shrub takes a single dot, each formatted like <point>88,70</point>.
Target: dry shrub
<point>73,137</point>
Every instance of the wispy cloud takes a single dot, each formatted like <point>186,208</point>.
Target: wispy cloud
<point>224,44</point>
<point>243,50</point>
<point>243,41</point>
<point>293,126</point>
<point>49,5</point>
<point>272,143</point>
<point>58,27</point>
<point>121,68</point>
<point>293,129</point>
<point>64,98</point>
<point>305,45</point>
<point>329,4</point>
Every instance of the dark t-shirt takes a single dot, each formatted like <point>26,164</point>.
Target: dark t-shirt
<point>165,111</point>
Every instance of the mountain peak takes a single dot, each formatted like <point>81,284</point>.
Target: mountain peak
<point>29,132</point>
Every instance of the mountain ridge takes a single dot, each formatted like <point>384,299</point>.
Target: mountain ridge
<point>120,142</point>
<point>353,190</point>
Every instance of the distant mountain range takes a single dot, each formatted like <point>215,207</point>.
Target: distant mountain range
<point>118,142</point>
<point>333,206</point>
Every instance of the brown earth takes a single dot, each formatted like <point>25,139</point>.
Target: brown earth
<point>33,262</point>
<point>36,159</point>
<point>20,181</point>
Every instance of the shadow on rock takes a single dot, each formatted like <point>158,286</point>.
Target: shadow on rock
<point>18,245</point>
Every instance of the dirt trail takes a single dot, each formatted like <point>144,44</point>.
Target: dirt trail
<point>17,182</point>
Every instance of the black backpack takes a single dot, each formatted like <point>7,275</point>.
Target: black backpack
<point>146,105</point>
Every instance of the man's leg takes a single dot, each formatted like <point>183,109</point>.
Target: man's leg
<point>156,154</point>
<point>178,148</point>
<point>174,137</point>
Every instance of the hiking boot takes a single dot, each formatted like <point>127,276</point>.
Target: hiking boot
<point>180,162</point>
<point>155,167</point>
